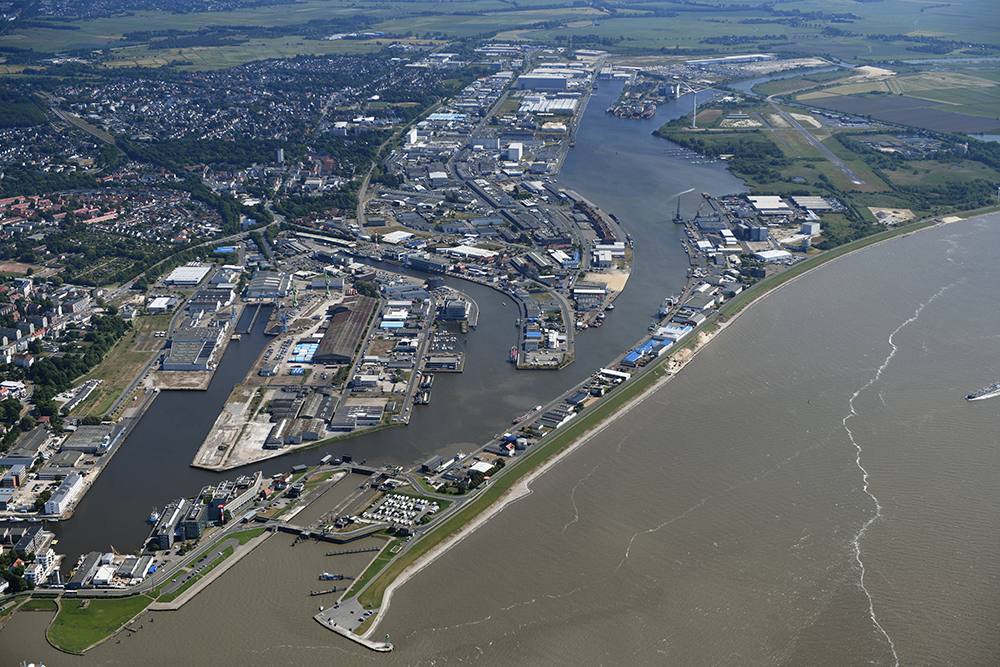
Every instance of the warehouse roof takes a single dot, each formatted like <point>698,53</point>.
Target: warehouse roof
<point>345,330</point>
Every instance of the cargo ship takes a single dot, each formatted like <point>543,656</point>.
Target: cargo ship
<point>988,392</point>
<point>667,306</point>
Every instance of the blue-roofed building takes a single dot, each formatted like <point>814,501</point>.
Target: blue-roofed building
<point>532,339</point>
<point>632,358</point>
<point>647,347</point>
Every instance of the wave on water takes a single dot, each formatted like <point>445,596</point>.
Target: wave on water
<point>856,541</point>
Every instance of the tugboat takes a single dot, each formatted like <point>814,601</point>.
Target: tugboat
<point>513,355</point>
<point>154,516</point>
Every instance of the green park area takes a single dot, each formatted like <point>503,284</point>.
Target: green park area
<point>81,623</point>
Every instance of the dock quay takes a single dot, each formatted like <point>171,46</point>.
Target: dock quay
<point>305,533</point>
<point>118,435</point>
<point>327,591</point>
<point>353,551</point>
<point>330,624</point>
<point>444,363</point>
<point>253,320</point>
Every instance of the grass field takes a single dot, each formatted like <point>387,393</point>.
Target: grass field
<point>38,605</point>
<point>932,172</point>
<point>781,86</point>
<point>123,363</point>
<point>76,628</point>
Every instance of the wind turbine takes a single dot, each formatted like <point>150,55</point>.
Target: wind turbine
<point>694,106</point>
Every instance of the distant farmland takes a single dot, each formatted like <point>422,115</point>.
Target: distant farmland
<point>907,111</point>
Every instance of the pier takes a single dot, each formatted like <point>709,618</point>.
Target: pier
<point>352,551</point>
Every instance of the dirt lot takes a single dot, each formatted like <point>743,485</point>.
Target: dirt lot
<point>15,267</point>
<point>891,216</point>
<point>182,379</point>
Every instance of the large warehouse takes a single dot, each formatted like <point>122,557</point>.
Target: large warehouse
<point>189,274</point>
<point>269,285</point>
<point>346,328</point>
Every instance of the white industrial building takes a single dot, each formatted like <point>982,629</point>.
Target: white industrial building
<point>539,81</point>
<point>544,104</point>
<point>772,255</point>
<point>616,249</point>
<point>515,151</point>
<point>189,274</point>
<point>471,252</point>
<point>65,494</point>
<point>395,238</point>
<point>161,304</point>
<point>601,259</point>
<point>769,205</point>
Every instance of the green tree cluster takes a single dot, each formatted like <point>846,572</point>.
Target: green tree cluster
<point>53,375</point>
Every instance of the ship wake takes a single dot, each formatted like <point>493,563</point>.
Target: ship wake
<point>859,536</point>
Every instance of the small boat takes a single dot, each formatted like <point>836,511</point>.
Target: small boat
<point>154,516</point>
<point>610,306</point>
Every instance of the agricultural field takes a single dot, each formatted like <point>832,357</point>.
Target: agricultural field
<point>943,101</point>
<point>220,57</point>
<point>863,32</point>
